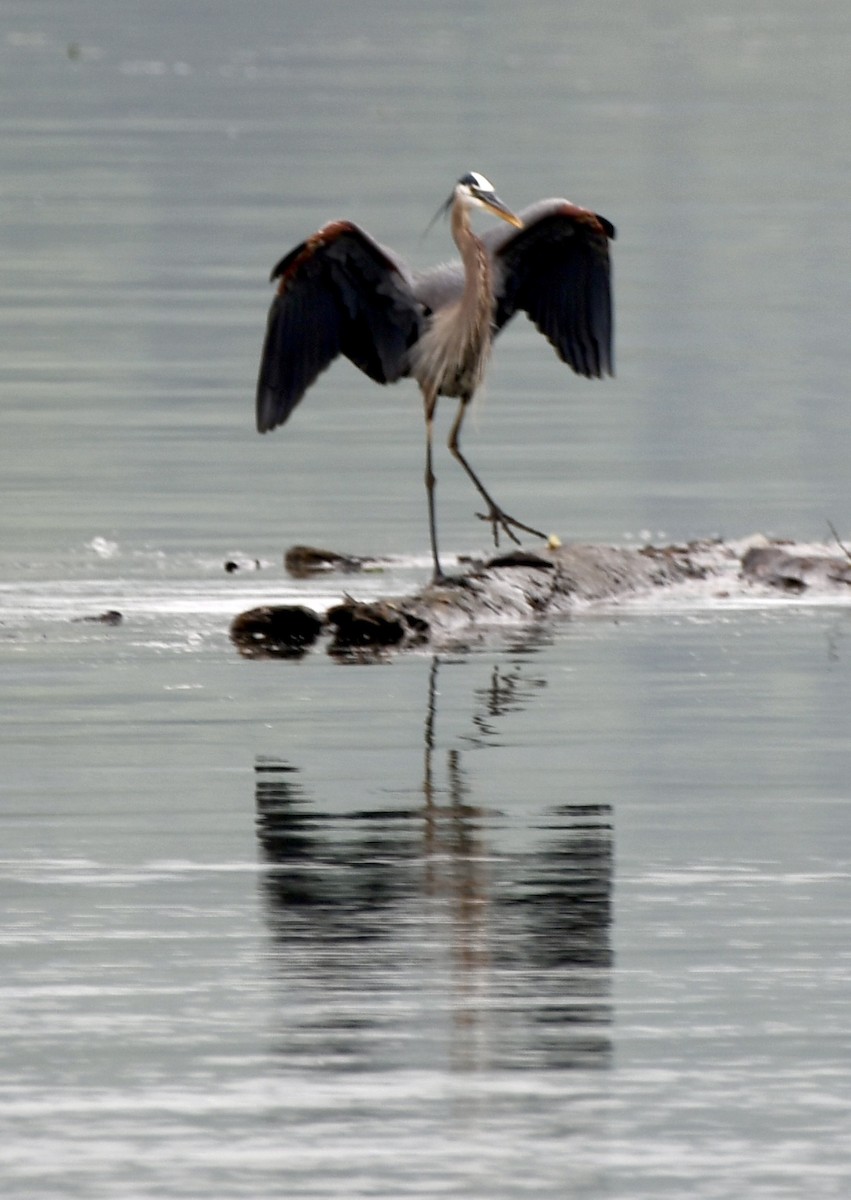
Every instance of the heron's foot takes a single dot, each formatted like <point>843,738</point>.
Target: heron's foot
<point>500,520</point>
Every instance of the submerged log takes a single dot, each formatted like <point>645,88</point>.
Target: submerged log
<point>521,588</point>
<point>111,617</point>
<point>304,561</point>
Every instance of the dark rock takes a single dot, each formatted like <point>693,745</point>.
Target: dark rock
<point>521,558</point>
<point>233,564</point>
<point>375,626</point>
<point>276,631</point>
<point>780,567</point>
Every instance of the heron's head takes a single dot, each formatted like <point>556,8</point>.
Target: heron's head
<point>475,191</point>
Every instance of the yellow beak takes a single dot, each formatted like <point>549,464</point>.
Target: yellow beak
<point>495,205</point>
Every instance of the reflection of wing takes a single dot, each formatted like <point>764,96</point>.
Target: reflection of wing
<point>556,268</point>
<point>339,293</point>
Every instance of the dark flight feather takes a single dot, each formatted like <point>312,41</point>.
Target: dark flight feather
<point>339,293</point>
<point>557,270</point>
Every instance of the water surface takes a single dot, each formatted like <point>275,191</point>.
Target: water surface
<point>566,916</point>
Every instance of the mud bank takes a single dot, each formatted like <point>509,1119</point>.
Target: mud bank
<point>522,588</point>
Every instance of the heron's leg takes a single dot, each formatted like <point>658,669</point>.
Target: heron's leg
<point>430,403</point>
<point>498,519</point>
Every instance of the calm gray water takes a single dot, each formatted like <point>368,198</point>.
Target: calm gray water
<point>566,917</point>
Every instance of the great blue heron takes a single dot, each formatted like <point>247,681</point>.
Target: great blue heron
<point>340,292</point>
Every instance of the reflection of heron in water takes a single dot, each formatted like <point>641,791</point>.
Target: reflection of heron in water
<point>340,292</point>
<point>346,894</point>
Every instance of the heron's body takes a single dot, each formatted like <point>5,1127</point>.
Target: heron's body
<point>340,292</point>
<point>451,355</point>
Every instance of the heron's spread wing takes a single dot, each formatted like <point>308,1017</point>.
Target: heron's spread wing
<point>557,270</point>
<point>339,293</point>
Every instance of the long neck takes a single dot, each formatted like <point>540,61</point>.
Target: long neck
<point>477,299</point>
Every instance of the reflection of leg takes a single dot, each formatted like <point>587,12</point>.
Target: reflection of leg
<point>430,841</point>
<point>431,713</point>
<point>430,402</point>
<point>498,519</point>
